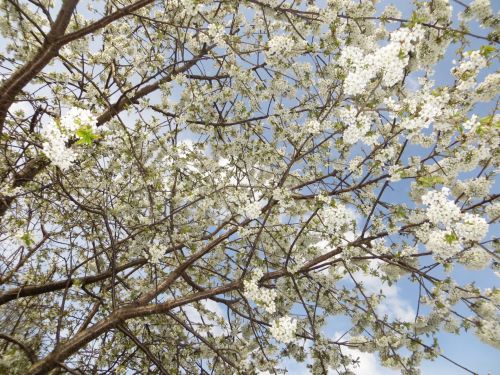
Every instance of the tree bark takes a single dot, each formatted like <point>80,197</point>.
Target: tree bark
<point>70,347</point>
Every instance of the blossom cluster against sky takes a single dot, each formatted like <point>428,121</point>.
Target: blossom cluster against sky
<point>465,349</point>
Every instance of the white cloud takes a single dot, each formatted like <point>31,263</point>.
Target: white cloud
<point>368,364</point>
<point>23,106</point>
<point>392,305</point>
<point>195,317</point>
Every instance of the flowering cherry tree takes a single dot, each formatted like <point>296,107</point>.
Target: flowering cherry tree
<point>208,187</point>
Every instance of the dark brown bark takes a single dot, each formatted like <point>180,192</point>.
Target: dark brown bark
<point>28,351</point>
<point>21,77</point>
<point>70,347</point>
<point>55,39</point>
<point>27,174</point>
<point>35,290</point>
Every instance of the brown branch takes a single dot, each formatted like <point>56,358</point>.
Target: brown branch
<point>22,76</point>
<point>103,22</point>
<point>28,351</point>
<point>35,290</point>
<point>141,307</point>
<point>54,41</point>
<point>146,90</point>
<point>71,346</point>
<point>37,165</point>
<point>144,348</point>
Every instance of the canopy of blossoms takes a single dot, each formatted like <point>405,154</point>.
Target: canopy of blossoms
<point>211,187</point>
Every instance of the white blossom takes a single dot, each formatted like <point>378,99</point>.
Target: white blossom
<point>76,118</point>
<point>389,60</point>
<point>57,133</point>
<point>472,227</point>
<point>441,209</point>
<point>263,297</point>
<point>156,253</point>
<point>337,219</point>
<point>480,9</point>
<point>263,160</point>
<point>475,258</point>
<point>313,127</point>
<point>280,46</point>
<point>443,244</point>
<point>252,210</point>
<point>284,329</point>
<point>54,147</point>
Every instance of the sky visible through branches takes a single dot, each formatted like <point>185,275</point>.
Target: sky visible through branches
<point>249,187</point>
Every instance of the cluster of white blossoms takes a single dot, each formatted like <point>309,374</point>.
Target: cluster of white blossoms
<point>443,244</point>
<point>252,210</point>
<point>391,11</point>
<point>356,166</point>
<point>76,118</point>
<point>487,318</point>
<point>280,44</point>
<point>263,297</point>
<point>188,8</point>
<point>424,104</point>
<point>440,209</point>
<point>479,10</point>
<point>475,258</point>
<point>280,47</point>
<point>489,332</point>
<point>156,252</point>
<point>54,147</point>
<point>493,211</point>
<point>337,219</point>
<point>471,124</point>
<point>358,124</point>
<point>488,89</point>
<point>216,33</point>
<point>457,227</point>
<point>468,69</point>
<point>471,227</point>
<point>276,125</point>
<point>284,329</point>
<point>359,76</point>
<point>57,133</point>
<point>470,66</point>
<point>389,60</point>
<point>313,127</point>
<point>386,154</point>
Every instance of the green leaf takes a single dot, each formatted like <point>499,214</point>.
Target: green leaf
<point>28,241</point>
<point>450,238</point>
<point>86,135</point>
<point>487,50</point>
<point>430,181</point>
<point>485,122</point>
<point>437,92</point>
<point>400,212</point>
<point>440,305</point>
<point>415,19</point>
